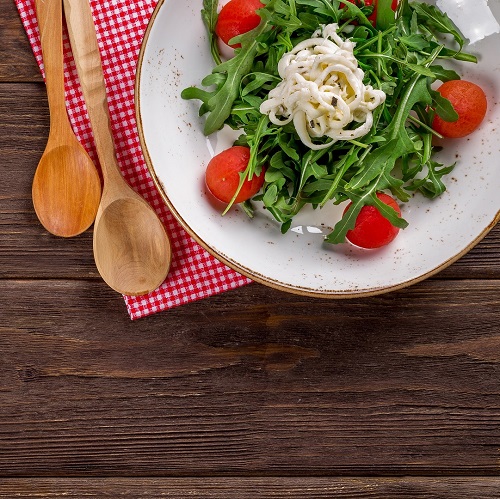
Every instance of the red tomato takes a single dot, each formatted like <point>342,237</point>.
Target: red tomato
<point>469,101</point>
<point>237,17</point>
<point>222,175</point>
<point>372,230</point>
<point>373,16</point>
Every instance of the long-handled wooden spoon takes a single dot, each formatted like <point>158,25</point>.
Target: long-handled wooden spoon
<point>66,187</point>
<point>131,247</point>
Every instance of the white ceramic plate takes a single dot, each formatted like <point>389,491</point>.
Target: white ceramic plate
<point>175,55</point>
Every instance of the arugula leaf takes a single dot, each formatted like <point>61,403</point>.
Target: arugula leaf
<point>443,74</point>
<point>385,14</point>
<point>414,41</point>
<point>259,81</point>
<point>221,102</point>
<point>399,143</point>
<point>209,16</point>
<point>432,186</point>
<point>389,213</point>
<point>326,8</point>
<point>443,107</point>
<point>431,16</point>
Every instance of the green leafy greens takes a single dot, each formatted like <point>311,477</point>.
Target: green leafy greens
<point>400,57</point>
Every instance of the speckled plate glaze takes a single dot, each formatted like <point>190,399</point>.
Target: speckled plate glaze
<point>175,55</point>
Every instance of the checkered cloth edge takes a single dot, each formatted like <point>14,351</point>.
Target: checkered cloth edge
<point>120,25</point>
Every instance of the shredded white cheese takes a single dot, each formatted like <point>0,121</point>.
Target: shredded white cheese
<point>322,91</point>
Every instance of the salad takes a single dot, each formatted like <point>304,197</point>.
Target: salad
<point>336,103</point>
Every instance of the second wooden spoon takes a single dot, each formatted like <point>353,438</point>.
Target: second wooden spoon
<point>131,247</point>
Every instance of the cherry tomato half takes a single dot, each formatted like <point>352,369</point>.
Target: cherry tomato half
<point>372,230</point>
<point>469,101</point>
<point>237,17</point>
<point>222,175</point>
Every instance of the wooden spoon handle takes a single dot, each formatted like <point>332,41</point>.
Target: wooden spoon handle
<point>85,49</point>
<point>49,15</point>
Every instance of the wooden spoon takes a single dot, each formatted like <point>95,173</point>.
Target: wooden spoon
<point>131,247</point>
<point>66,187</point>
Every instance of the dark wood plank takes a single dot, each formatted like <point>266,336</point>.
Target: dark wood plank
<point>16,58</point>
<point>251,382</point>
<point>483,261</point>
<point>26,249</point>
<point>254,488</point>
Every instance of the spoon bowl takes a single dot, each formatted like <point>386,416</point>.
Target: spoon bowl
<point>66,188</point>
<point>128,238</point>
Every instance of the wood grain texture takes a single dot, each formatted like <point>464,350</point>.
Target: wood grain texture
<point>26,249</point>
<point>17,63</point>
<point>254,488</point>
<point>252,382</point>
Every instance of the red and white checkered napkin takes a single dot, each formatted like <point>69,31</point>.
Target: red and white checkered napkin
<point>120,25</point>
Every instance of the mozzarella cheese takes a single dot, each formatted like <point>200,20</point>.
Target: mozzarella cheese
<point>322,91</point>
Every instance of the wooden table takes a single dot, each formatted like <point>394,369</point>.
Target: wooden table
<point>253,393</point>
